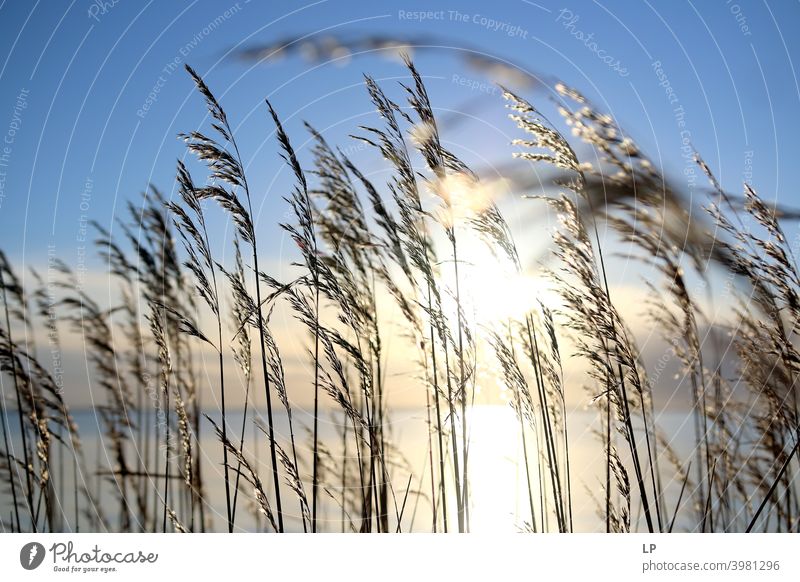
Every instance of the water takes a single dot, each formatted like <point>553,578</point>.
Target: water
<point>498,488</point>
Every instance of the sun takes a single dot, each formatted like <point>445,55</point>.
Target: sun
<point>491,290</point>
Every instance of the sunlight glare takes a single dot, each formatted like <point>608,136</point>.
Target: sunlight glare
<point>497,475</point>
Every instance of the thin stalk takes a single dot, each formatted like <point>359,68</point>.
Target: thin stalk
<point>9,456</point>
<point>547,426</point>
<point>19,406</point>
<point>567,468</point>
<point>382,485</point>
<point>373,454</point>
<point>635,453</point>
<point>197,467</point>
<point>434,507</point>
<point>166,453</point>
<point>707,510</point>
<point>146,477</point>
<point>520,416</point>
<point>462,388</point>
<point>366,487</point>
<point>241,447</point>
<point>652,465</point>
<point>315,477</point>
<point>230,509</point>
<point>270,422</point>
<point>608,460</point>
<point>453,435</point>
<point>61,483</point>
<point>344,474</point>
<point>156,456</point>
<point>439,431</point>
<point>624,393</point>
<point>141,484</point>
<point>294,457</point>
<point>680,497</point>
<point>773,487</point>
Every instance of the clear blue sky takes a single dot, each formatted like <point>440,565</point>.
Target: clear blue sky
<point>75,77</point>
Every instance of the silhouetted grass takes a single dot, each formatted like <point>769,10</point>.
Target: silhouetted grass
<point>368,250</point>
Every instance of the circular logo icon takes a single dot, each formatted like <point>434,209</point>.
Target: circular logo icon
<point>31,555</point>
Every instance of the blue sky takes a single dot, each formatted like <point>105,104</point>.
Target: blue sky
<point>76,78</point>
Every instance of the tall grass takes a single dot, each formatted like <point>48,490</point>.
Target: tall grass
<point>376,263</point>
